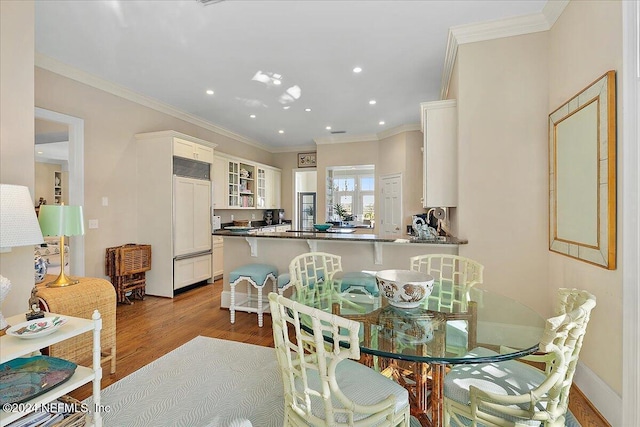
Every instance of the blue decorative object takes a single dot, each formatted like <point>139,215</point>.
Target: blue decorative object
<point>41,268</point>
<point>26,377</point>
<point>322,227</point>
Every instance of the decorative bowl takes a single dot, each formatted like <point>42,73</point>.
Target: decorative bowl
<point>37,328</point>
<point>404,288</point>
<point>409,327</point>
<point>238,229</point>
<point>322,227</point>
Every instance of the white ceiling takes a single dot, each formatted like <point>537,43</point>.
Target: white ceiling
<point>173,51</point>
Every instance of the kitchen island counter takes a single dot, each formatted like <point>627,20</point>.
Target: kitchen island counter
<point>358,251</point>
<point>312,235</point>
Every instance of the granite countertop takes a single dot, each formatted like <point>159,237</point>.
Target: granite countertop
<point>311,235</point>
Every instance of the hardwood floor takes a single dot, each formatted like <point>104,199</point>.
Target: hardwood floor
<point>151,328</point>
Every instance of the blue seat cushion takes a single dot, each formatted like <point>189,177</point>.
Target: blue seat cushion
<point>283,280</point>
<point>507,378</point>
<point>360,279</point>
<point>257,272</point>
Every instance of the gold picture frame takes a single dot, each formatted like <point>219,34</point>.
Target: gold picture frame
<point>582,175</point>
<point>307,160</point>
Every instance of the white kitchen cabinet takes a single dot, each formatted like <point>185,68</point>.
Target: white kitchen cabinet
<point>191,270</point>
<point>156,209</point>
<point>272,188</point>
<point>219,183</point>
<point>244,184</point>
<point>192,150</point>
<point>440,153</point>
<point>217,267</point>
<point>192,214</point>
<point>12,348</point>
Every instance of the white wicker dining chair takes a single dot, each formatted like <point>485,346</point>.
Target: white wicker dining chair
<point>322,387</point>
<point>310,270</point>
<point>449,270</point>
<point>514,393</point>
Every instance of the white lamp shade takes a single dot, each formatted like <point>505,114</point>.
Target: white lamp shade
<point>18,221</point>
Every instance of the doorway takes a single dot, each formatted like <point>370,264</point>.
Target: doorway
<point>306,210</point>
<point>75,161</point>
<point>391,205</point>
<point>305,182</point>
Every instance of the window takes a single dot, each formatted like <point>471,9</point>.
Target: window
<point>353,188</point>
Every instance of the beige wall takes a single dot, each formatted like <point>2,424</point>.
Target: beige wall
<point>17,134</point>
<point>110,124</point>
<point>502,208</point>
<point>503,106</point>
<point>584,43</point>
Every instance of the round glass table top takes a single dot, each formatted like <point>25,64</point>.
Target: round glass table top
<point>442,329</point>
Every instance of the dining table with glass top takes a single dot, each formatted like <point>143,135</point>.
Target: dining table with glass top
<point>414,346</point>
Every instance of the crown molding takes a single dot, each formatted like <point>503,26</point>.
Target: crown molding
<point>344,139</point>
<point>55,66</point>
<point>491,30</point>
<point>398,130</point>
<point>295,149</point>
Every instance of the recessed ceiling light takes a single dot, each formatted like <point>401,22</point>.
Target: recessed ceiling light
<point>372,102</point>
<point>209,92</point>
<point>276,82</point>
<point>286,107</point>
<point>357,70</point>
<point>307,109</point>
<point>280,131</point>
<point>253,116</point>
<point>40,152</point>
<point>381,122</point>
<point>328,128</point>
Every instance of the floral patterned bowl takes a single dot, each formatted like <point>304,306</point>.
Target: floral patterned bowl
<point>37,328</point>
<point>404,288</point>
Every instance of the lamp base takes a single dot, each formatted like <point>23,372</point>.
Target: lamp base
<point>62,280</point>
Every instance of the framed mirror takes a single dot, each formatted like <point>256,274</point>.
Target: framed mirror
<point>582,175</point>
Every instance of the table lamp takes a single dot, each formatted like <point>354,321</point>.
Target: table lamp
<point>61,220</point>
<point>18,227</point>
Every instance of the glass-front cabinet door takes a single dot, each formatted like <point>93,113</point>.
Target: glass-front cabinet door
<point>234,184</point>
<point>261,188</point>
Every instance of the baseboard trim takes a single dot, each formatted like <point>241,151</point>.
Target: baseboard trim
<point>603,398</point>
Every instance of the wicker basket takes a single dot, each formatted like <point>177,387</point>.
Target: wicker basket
<point>126,266</point>
<point>75,419</point>
<point>241,222</point>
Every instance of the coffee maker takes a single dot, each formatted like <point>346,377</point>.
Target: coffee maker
<point>268,217</point>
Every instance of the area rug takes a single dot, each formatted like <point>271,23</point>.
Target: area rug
<point>205,382</point>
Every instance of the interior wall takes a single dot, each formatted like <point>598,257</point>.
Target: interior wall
<point>502,134</point>
<point>17,44</point>
<point>110,155</point>
<point>584,43</point>
<point>44,181</point>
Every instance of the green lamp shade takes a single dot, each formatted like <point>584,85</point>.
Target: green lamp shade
<point>61,220</point>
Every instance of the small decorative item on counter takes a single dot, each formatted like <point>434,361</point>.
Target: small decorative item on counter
<point>34,304</point>
<point>40,268</point>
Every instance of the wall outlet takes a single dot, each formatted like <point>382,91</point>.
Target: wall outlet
<point>253,216</point>
<point>231,217</point>
<point>93,223</point>
<point>105,201</point>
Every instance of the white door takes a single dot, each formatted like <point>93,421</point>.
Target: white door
<point>191,220</point>
<point>391,205</point>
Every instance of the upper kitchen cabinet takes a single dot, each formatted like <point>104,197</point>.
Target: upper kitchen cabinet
<point>192,150</point>
<point>243,184</point>
<point>268,187</point>
<point>440,153</point>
